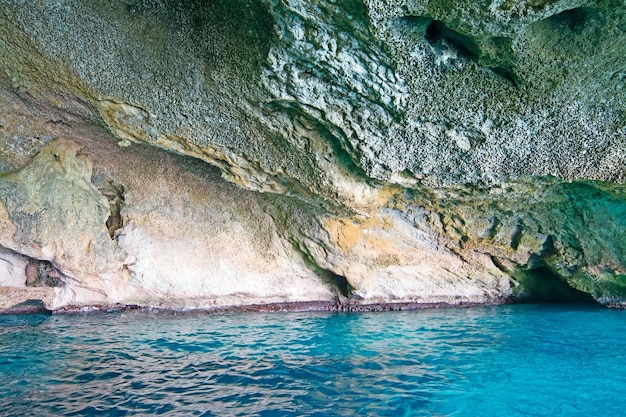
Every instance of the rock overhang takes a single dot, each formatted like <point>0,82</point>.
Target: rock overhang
<point>365,106</point>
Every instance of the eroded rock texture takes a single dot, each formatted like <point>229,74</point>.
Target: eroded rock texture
<point>369,150</point>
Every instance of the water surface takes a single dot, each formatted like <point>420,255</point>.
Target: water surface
<point>524,360</point>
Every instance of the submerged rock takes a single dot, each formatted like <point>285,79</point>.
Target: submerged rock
<point>369,151</point>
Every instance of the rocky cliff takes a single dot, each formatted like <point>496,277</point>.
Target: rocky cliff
<point>229,152</point>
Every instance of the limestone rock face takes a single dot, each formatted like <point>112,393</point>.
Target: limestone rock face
<point>369,150</point>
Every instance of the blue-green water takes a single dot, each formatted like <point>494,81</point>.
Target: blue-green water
<point>523,360</point>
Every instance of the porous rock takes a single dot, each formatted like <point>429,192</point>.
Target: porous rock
<point>382,151</point>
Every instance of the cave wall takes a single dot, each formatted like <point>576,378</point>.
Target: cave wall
<point>376,151</point>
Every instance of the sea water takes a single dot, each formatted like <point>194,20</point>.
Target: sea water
<point>522,360</point>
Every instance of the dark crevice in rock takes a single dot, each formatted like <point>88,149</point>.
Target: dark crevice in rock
<point>442,37</point>
<point>500,265</point>
<point>339,282</point>
<point>115,194</point>
<point>495,228</point>
<point>507,74</point>
<point>494,53</point>
<point>516,238</point>
<point>43,274</point>
<point>541,285</point>
<point>573,20</point>
<point>548,249</point>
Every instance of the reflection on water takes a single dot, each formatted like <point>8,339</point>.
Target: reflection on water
<point>492,361</point>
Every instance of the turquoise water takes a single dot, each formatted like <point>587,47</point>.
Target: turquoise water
<point>523,360</point>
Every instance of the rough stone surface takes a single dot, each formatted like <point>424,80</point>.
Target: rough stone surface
<point>188,238</point>
<point>381,151</point>
<point>12,268</point>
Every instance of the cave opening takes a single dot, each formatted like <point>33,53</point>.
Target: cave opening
<point>40,273</point>
<point>340,283</point>
<point>442,37</point>
<point>541,285</point>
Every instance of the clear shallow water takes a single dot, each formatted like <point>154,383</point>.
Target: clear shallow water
<point>523,360</point>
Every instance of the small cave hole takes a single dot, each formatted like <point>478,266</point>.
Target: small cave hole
<point>496,57</point>
<point>548,249</point>
<point>339,282</point>
<point>43,274</point>
<point>115,194</point>
<point>541,285</point>
<point>516,238</point>
<point>441,37</point>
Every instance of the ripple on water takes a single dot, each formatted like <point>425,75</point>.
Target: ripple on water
<point>504,361</point>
